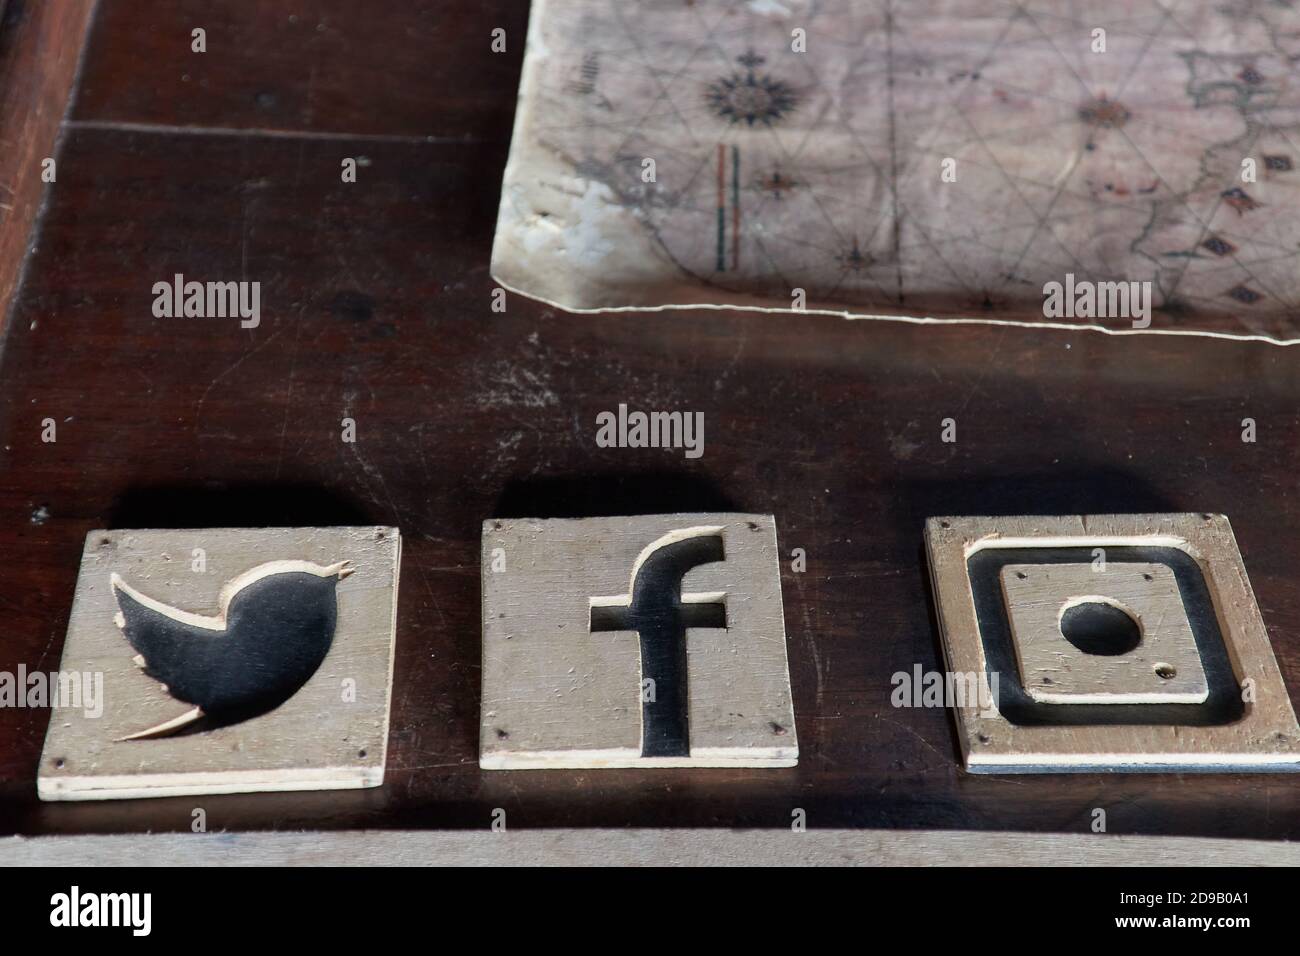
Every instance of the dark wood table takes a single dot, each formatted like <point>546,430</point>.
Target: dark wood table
<point>376,306</point>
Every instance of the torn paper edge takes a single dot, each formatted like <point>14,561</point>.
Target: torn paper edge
<point>535,51</point>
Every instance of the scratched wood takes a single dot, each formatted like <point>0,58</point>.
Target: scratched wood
<point>377,305</point>
<point>1265,737</point>
<point>1164,667</point>
<point>40,44</point>
<point>655,848</point>
<point>324,736</point>
<point>559,693</point>
<point>420,73</point>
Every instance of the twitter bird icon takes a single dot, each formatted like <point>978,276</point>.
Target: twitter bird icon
<point>275,626</point>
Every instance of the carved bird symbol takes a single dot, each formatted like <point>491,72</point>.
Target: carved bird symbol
<point>275,626</point>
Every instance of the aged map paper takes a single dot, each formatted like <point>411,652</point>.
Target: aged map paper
<point>930,159</point>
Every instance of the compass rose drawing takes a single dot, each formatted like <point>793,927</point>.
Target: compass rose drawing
<point>776,184</point>
<point>751,97</point>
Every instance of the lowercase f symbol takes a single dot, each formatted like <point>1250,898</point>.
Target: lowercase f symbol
<point>660,614</point>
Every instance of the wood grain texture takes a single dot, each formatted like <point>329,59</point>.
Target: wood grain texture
<point>40,44</point>
<point>1054,671</point>
<point>558,694</point>
<point>421,71</point>
<point>1265,737</point>
<point>655,848</point>
<point>377,303</point>
<point>317,739</point>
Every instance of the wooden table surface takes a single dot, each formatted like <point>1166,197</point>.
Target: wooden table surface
<point>376,306</point>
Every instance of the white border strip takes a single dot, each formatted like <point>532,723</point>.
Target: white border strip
<point>676,847</point>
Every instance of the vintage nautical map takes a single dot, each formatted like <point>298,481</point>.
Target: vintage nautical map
<point>943,159</point>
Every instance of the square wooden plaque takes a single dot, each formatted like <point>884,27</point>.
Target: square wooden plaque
<point>1264,736</point>
<point>559,690</point>
<point>332,733</point>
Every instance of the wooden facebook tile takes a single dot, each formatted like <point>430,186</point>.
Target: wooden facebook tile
<point>648,641</point>
<point>230,660</point>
